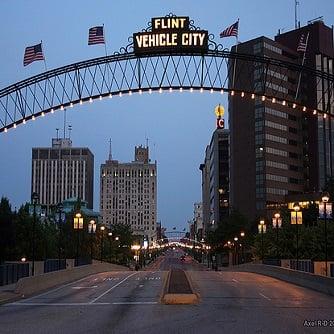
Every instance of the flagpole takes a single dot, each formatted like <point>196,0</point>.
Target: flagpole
<point>105,48</point>
<point>105,41</point>
<point>300,74</point>
<point>235,59</point>
<point>46,68</point>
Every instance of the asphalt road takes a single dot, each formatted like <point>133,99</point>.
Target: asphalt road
<point>129,302</point>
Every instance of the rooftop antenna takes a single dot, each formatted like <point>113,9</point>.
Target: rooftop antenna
<point>296,12</point>
<point>64,123</point>
<point>57,129</point>
<point>146,142</point>
<point>110,155</point>
<point>69,131</point>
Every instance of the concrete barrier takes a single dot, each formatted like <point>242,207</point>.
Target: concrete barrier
<point>304,279</point>
<point>178,289</point>
<point>29,285</point>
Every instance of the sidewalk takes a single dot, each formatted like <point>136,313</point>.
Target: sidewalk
<point>7,293</point>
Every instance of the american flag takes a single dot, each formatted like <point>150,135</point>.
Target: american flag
<point>96,36</point>
<point>33,53</point>
<point>231,30</point>
<point>302,45</point>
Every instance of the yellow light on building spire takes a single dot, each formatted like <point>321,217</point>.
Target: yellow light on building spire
<point>219,111</point>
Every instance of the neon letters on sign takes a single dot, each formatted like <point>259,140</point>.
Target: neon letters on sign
<point>170,34</point>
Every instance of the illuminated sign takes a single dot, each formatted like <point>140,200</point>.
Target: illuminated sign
<point>220,123</point>
<point>170,35</point>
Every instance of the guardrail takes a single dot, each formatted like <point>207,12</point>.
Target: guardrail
<point>11,272</point>
<point>304,279</point>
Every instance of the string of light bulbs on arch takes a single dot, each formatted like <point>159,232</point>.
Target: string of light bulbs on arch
<point>232,92</point>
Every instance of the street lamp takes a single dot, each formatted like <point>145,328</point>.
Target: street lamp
<point>325,199</point>
<point>136,249</point>
<point>102,228</point>
<point>262,229</point>
<point>59,212</point>
<point>77,226</point>
<point>110,236</point>
<point>296,208</point>
<point>242,235</point>
<point>91,231</point>
<point>277,223</point>
<point>236,250</point>
<point>34,199</point>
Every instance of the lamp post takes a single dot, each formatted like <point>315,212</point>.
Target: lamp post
<point>110,236</point>
<point>277,223</point>
<point>91,231</point>
<point>236,250</point>
<point>34,199</point>
<point>262,229</point>
<point>77,226</point>
<point>325,199</point>
<point>136,249</point>
<point>242,235</point>
<point>59,212</point>
<point>296,208</point>
<point>102,228</point>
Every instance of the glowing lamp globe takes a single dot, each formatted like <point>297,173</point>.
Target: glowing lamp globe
<point>219,111</point>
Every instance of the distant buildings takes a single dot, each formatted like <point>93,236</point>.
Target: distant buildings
<point>215,179</point>
<point>276,150</point>
<point>61,172</point>
<point>198,221</point>
<point>128,193</point>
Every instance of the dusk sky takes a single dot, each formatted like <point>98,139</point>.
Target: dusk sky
<point>178,126</point>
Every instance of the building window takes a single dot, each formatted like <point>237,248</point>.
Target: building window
<point>275,164</point>
<point>276,139</point>
<point>277,191</point>
<point>276,125</point>
<point>275,151</point>
<point>277,178</point>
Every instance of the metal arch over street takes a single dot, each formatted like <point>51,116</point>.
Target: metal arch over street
<point>126,72</point>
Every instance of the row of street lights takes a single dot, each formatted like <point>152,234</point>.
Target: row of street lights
<point>235,244</point>
<point>277,224</point>
<point>78,225</point>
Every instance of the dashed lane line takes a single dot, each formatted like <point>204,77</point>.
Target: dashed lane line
<point>261,294</point>
<point>113,287</point>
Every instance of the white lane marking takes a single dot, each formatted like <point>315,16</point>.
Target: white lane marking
<point>140,286</point>
<point>79,304</point>
<point>84,287</point>
<point>113,287</point>
<point>134,303</point>
<point>234,280</point>
<point>54,304</point>
<point>261,294</point>
<point>56,289</point>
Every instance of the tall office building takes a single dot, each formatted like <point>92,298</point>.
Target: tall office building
<point>205,169</point>
<point>61,172</point>
<point>128,193</point>
<point>215,180</point>
<point>319,132</point>
<point>276,150</point>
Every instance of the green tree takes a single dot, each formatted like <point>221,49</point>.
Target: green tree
<point>7,238</point>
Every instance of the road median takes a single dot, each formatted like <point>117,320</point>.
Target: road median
<point>178,290</point>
